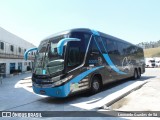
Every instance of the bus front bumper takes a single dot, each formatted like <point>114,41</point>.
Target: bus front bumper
<point>61,91</point>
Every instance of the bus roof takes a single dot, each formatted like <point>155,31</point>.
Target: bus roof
<point>86,30</point>
<point>68,31</point>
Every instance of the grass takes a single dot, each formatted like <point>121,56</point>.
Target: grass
<point>152,52</point>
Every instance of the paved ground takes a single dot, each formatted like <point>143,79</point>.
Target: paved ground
<point>146,98</point>
<point>16,95</point>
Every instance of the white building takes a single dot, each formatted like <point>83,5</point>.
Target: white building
<point>12,50</point>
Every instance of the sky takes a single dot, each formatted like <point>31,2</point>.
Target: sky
<point>33,20</point>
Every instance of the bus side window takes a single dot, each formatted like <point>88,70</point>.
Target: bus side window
<point>94,48</point>
<point>73,56</point>
<point>111,47</point>
<point>84,37</point>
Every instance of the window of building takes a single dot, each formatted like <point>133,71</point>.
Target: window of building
<point>1,45</point>
<point>12,48</point>
<point>19,49</point>
<point>24,50</point>
<point>12,68</point>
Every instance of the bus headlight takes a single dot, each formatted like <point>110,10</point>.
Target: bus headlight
<point>58,83</point>
<point>62,81</point>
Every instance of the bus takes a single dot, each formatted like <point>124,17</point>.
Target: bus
<point>150,62</point>
<point>82,59</point>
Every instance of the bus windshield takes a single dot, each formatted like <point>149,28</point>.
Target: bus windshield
<point>47,60</point>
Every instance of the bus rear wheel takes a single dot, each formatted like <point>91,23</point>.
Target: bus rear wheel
<point>135,76</point>
<point>95,85</point>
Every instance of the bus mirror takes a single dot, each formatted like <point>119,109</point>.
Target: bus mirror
<point>26,53</point>
<point>62,42</point>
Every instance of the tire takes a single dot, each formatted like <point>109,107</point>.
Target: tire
<point>135,76</point>
<point>138,73</point>
<point>95,85</point>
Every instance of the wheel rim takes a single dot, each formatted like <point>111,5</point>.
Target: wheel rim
<point>96,85</point>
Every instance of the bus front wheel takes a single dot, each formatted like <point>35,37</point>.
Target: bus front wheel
<point>95,85</point>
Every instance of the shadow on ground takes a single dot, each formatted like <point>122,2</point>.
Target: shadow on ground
<point>107,89</point>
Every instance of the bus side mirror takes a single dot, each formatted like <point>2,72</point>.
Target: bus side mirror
<point>62,42</point>
<point>26,53</point>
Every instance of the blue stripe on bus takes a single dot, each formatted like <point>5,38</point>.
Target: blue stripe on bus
<point>62,42</point>
<point>65,89</point>
<point>95,32</point>
<point>108,60</point>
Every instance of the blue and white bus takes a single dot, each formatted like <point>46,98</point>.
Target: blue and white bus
<point>82,59</point>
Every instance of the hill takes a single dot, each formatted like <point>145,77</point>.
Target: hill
<point>152,52</point>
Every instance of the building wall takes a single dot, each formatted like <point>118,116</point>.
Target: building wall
<point>8,56</point>
<point>16,61</point>
<point>13,39</point>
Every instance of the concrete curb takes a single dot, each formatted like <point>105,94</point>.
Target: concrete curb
<point>122,93</point>
<point>105,102</point>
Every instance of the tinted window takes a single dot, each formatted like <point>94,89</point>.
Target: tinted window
<point>110,46</point>
<point>73,54</point>
<point>128,49</point>
<point>94,47</point>
<point>73,59</point>
<point>78,49</point>
<point>100,44</point>
<point>84,37</point>
<point>121,48</point>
